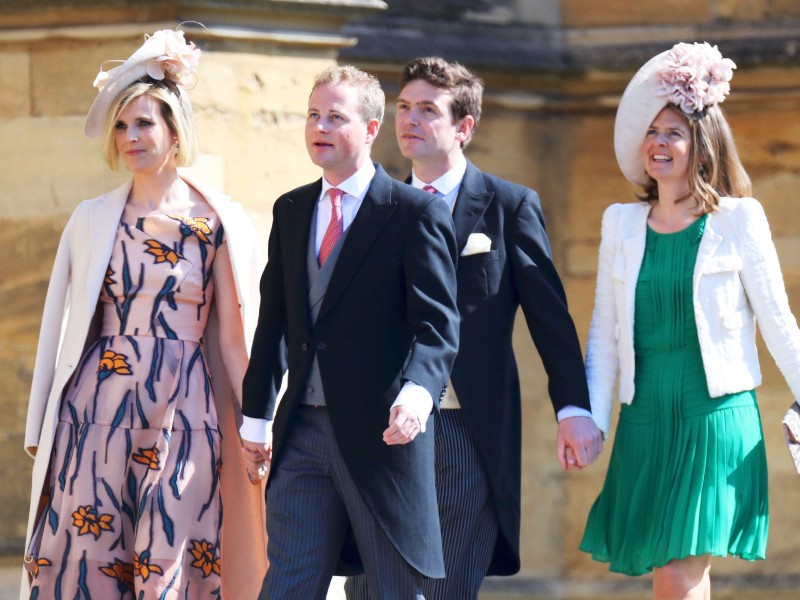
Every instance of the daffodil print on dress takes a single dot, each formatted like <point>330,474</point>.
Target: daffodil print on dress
<point>111,363</point>
<point>194,226</point>
<point>148,529</point>
<point>86,520</point>
<point>205,555</point>
<point>148,457</point>
<point>161,252</point>
<point>122,572</point>
<point>142,566</point>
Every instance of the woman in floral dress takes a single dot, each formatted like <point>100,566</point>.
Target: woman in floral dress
<point>153,285</point>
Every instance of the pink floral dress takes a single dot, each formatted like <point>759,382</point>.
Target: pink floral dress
<point>133,507</point>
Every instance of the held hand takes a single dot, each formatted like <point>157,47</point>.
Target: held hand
<point>578,443</point>
<point>791,424</point>
<point>572,461</point>
<point>257,459</point>
<point>403,426</point>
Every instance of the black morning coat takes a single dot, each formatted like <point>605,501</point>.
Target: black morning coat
<point>389,315</point>
<point>517,271</point>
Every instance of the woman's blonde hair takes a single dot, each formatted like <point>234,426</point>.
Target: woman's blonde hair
<point>715,169</point>
<point>176,109</point>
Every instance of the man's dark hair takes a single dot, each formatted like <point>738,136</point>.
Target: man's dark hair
<point>465,87</point>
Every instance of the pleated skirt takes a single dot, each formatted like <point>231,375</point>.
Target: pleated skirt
<point>687,477</point>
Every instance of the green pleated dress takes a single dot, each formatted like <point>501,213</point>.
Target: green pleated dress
<point>687,474</point>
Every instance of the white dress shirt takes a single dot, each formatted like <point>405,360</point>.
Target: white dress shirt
<point>448,185</point>
<point>354,188</point>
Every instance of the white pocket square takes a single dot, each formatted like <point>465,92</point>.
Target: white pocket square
<point>477,243</point>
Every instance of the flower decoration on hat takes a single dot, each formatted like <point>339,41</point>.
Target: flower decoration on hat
<point>178,62</point>
<point>165,55</point>
<point>693,76</point>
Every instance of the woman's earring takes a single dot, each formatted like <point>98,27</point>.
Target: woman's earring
<point>176,149</point>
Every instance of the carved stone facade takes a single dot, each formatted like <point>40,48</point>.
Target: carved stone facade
<point>554,71</point>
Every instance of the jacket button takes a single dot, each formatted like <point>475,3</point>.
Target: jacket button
<point>321,346</point>
<point>305,346</point>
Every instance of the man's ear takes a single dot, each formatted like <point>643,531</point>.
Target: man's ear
<point>373,126</point>
<point>464,128</point>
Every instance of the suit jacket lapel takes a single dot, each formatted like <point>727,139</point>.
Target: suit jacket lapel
<point>376,209</point>
<point>471,204</point>
<point>297,233</point>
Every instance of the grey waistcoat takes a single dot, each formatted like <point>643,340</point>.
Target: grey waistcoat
<point>318,279</point>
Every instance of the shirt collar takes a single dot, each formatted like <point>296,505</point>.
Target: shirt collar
<point>356,185</point>
<point>447,182</point>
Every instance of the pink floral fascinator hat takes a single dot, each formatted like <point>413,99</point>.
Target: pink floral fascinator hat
<point>163,55</point>
<point>691,77</point>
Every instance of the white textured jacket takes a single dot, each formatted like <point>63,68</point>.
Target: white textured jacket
<point>80,265</point>
<point>737,280</point>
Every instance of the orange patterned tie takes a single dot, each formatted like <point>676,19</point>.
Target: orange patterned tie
<point>334,231</point>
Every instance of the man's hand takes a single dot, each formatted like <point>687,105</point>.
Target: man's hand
<point>257,459</point>
<point>578,443</point>
<point>403,426</point>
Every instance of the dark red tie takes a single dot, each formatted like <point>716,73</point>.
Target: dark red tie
<point>431,190</point>
<point>334,231</point>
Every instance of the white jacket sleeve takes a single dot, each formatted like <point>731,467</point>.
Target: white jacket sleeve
<point>602,357</point>
<point>763,283</point>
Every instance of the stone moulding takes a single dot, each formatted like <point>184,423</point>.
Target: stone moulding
<point>312,24</point>
<point>284,37</point>
<point>563,50</point>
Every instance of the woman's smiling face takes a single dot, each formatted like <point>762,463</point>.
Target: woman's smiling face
<point>666,147</point>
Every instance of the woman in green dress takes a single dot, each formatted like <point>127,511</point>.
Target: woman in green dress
<point>683,276</point>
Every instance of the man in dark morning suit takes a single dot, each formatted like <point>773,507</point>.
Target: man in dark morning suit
<point>358,301</point>
<point>505,262</point>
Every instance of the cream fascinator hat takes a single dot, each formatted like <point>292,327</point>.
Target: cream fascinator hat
<point>691,77</point>
<point>163,55</point>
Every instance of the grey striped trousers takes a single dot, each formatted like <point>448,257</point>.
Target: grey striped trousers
<point>469,525</point>
<point>311,500</point>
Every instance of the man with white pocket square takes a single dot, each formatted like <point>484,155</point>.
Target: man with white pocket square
<point>504,262</point>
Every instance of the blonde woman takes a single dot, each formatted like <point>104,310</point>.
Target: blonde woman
<point>153,291</point>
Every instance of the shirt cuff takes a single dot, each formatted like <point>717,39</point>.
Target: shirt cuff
<point>417,399</point>
<point>255,430</point>
<point>572,411</point>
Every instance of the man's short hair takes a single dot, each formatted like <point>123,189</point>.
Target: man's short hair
<point>371,96</point>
